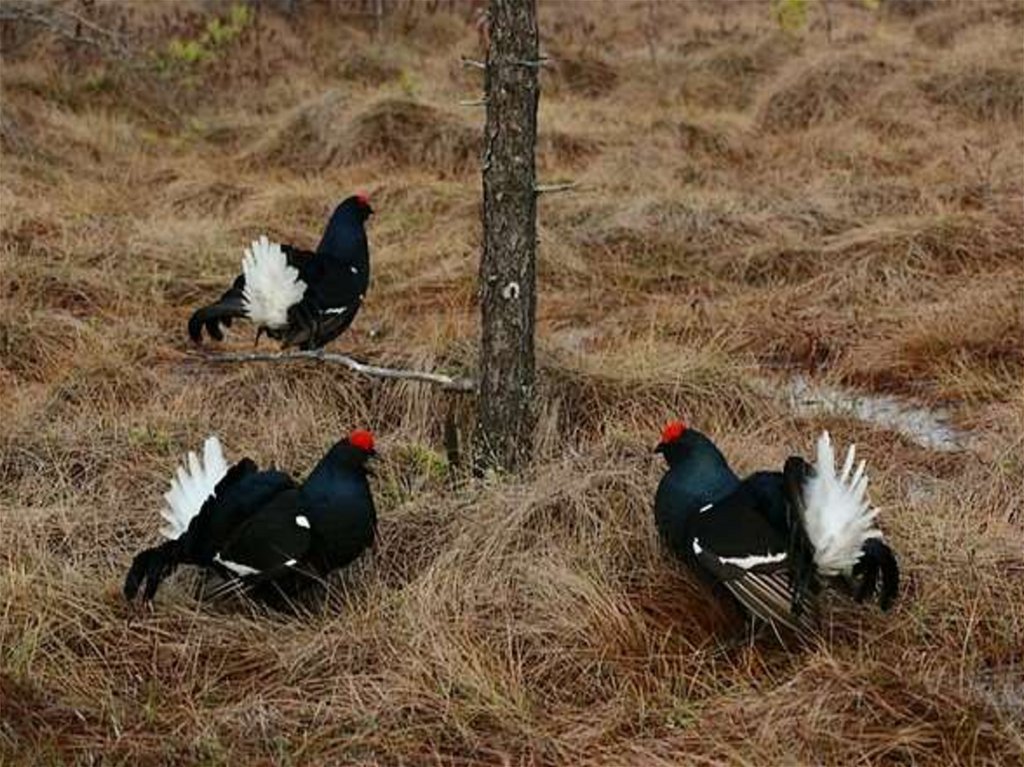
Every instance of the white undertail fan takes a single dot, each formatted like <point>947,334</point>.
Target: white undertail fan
<point>194,482</point>
<point>271,284</point>
<point>838,518</point>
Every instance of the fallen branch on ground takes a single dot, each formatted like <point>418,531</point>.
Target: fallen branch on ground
<point>68,25</point>
<point>374,371</point>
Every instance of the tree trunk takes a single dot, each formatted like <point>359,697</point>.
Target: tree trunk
<point>508,295</point>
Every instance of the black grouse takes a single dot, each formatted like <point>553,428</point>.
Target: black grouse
<point>260,530</point>
<point>298,297</point>
<point>772,538</point>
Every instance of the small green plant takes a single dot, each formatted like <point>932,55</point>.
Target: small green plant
<point>407,83</point>
<point>152,438</point>
<point>427,462</point>
<point>216,36</point>
<point>101,81</point>
<point>790,15</point>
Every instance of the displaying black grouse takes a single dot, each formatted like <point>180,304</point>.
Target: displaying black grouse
<point>259,529</point>
<point>298,297</point>
<point>772,538</point>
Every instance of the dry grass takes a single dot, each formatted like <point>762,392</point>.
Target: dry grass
<point>983,93</point>
<point>827,91</point>
<point>392,132</point>
<point>751,205</point>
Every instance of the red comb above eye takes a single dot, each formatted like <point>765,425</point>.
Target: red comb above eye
<point>363,197</point>
<point>362,439</point>
<point>673,430</point>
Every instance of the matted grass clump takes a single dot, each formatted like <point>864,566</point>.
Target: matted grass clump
<point>729,75</point>
<point>396,132</point>
<point>826,91</point>
<point>715,141</point>
<point>584,75</point>
<point>370,67</point>
<point>982,93</point>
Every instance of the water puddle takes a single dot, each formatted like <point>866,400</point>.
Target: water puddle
<point>1003,689</point>
<point>927,427</point>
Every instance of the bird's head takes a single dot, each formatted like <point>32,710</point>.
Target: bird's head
<point>674,440</point>
<point>352,452</point>
<point>355,208</point>
<point>359,205</point>
<point>345,233</point>
<point>692,455</point>
<point>347,459</point>
<point>362,441</point>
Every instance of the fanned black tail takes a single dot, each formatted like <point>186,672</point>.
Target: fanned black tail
<point>212,317</point>
<point>151,567</point>
<point>877,562</point>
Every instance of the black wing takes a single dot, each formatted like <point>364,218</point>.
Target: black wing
<point>270,543</point>
<point>230,507</point>
<point>336,287</point>
<point>231,305</point>
<point>736,544</point>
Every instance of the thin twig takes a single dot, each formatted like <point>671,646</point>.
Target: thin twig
<point>542,61</point>
<point>549,188</point>
<point>375,371</point>
<point>473,102</point>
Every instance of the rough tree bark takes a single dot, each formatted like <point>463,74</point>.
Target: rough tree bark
<point>508,295</point>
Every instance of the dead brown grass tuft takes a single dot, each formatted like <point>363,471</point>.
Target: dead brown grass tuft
<point>396,133</point>
<point>911,9</point>
<point>717,141</point>
<point>583,75</point>
<point>369,67</point>
<point>982,93</point>
<point>949,348</point>
<point>33,345</point>
<point>729,75</point>
<point>825,92</point>
<point>15,135</point>
<point>933,245</point>
<point>940,30</point>
<point>393,131</point>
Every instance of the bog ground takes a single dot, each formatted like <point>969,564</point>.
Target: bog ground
<point>753,203</point>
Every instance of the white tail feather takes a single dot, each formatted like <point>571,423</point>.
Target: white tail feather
<point>192,486</point>
<point>271,285</point>
<point>837,516</point>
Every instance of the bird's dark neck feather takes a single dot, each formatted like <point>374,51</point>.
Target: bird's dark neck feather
<point>342,239</point>
<point>333,471</point>
<point>700,473</point>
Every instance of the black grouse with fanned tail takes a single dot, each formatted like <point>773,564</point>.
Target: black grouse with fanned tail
<point>298,297</point>
<point>260,530</point>
<point>773,539</point>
